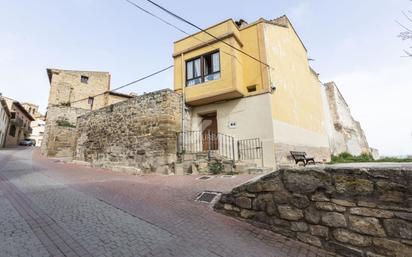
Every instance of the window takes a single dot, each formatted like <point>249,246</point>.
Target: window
<point>84,79</point>
<point>12,131</point>
<point>251,89</point>
<point>90,102</point>
<point>202,69</point>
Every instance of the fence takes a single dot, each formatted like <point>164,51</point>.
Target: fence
<point>250,149</point>
<point>206,141</point>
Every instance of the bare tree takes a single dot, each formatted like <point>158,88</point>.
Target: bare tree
<point>406,34</point>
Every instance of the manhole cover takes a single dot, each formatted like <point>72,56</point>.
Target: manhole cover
<point>207,197</point>
<point>204,177</point>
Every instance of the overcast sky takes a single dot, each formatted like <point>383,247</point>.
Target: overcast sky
<point>353,42</point>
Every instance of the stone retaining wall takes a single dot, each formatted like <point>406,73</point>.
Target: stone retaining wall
<point>60,131</point>
<point>352,211</point>
<point>137,135</point>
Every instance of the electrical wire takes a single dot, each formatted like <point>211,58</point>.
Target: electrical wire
<point>128,84</point>
<point>177,28</point>
<point>205,31</point>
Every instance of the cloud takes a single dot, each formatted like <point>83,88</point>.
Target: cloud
<point>382,101</point>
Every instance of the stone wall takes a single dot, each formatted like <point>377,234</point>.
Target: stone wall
<point>60,131</point>
<point>137,135</point>
<point>354,212</point>
<point>66,87</point>
<point>347,134</point>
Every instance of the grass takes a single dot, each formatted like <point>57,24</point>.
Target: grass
<point>364,157</point>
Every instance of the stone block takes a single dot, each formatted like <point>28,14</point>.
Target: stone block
<point>299,226</point>
<point>334,219</point>
<point>371,254</point>
<point>320,197</point>
<point>351,185</point>
<point>398,228</point>
<point>243,202</point>
<point>318,230</point>
<point>306,181</point>
<point>344,203</point>
<point>309,239</point>
<point>366,225</point>
<point>377,213</point>
<point>366,204</point>
<point>247,214</point>
<point>346,236</point>
<point>299,201</point>
<point>290,213</point>
<point>389,247</point>
<point>312,215</point>
<point>325,206</point>
<point>346,251</point>
<point>178,169</point>
<point>404,215</point>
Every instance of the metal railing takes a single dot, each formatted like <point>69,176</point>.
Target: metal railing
<point>206,141</point>
<point>250,149</point>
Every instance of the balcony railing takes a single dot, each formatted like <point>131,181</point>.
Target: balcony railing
<point>18,122</point>
<point>206,141</point>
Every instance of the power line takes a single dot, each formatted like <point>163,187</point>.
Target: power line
<point>128,84</point>
<point>204,31</point>
<point>174,26</point>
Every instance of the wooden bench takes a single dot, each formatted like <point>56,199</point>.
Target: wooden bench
<point>301,157</point>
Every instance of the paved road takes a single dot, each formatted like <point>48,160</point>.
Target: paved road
<point>55,209</point>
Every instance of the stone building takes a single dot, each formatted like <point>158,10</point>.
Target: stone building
<point>33,109</point>
<point>73,93</point>
<point>19,127</point>
<point>346,134</point>
<point>5,116</point>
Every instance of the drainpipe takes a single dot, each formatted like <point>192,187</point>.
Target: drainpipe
<point>183,103</point>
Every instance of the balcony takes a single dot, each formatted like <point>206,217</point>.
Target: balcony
<point>18,122</point>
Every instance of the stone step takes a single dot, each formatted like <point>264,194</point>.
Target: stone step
<point>243,167</point>
<point>263,170</point>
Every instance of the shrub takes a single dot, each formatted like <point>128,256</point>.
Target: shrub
<point>65,123</point>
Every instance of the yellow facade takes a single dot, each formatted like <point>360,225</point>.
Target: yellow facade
<point>294,90</point>
<point>237,70</point>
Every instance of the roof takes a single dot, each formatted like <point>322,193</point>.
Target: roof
<point>51,70</point>
<point>282,21</point>
<point>5,107</point>
<point>23,110</point>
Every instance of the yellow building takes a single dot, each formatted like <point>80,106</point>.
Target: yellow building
<point>276,98</point>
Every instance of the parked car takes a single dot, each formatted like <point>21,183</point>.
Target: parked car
<point>26,142</point>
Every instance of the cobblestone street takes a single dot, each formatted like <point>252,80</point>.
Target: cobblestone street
<point>48,208</point>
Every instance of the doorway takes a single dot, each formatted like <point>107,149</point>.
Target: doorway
<point>209,132</point>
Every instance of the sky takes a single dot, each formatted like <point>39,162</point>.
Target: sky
<point>354,43</point>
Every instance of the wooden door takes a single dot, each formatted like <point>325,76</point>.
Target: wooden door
<point>209,132</point>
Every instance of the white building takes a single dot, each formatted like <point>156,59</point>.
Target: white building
<point>4,121</point>
<point>38,130</point>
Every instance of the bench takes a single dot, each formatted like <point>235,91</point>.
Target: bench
<point>301,157</point>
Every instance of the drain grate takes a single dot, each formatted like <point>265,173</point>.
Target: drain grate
<point>207,197</point>
<point>205,177</point>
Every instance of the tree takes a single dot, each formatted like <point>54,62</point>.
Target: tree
<point>406,34</point>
